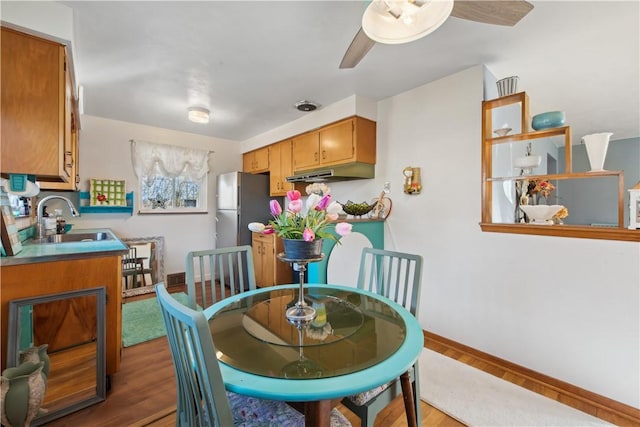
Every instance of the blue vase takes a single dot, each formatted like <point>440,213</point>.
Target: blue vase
<point>551,119</point>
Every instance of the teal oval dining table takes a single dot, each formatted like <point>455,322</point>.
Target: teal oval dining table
<point>358,341</point>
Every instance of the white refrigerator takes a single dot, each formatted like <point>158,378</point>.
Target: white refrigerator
<point>241,198</point>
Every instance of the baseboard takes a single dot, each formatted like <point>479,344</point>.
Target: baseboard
<point>584,400</point>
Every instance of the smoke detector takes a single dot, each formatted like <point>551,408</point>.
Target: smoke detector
<point>306,106</point>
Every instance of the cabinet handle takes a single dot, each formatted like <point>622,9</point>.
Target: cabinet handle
<point>68,153</point>
<point>324,155</point>
<point>315,156</point>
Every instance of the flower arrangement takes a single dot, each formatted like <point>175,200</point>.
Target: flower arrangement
<point>299,223</point>
<point>540,187</point>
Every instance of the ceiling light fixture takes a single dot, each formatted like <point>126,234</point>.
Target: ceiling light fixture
<point>198,115</point>
<point>396,22</point>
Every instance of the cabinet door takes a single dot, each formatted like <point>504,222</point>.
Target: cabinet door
<point>262,160</point>
<point>280,167</point>
<point>336,143</point>
<point>275,168</point>
<point>33,96</point>
<point>258,258</point>
<point>286,165</point>
<point>306,151</point>
<point>256,161</point>
<point>247,162</point>
<point>269,258</point>
<point>71,147</point>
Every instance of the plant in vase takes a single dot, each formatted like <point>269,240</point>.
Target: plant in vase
<point>303,222</point>
<point>537,212</point>
<point>302,228</point>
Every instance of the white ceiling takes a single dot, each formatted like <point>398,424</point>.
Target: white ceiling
<point>249,62</point>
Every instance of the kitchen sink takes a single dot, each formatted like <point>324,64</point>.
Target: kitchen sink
<point>74,238</point>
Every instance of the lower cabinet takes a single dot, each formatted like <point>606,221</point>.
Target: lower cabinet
<point>73,307</point>
<point>47,278</point>
<point>269,270</point>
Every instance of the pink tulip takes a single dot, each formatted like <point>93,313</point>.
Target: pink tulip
<point>269,231</point>
<point>293,195</point>
<point>275,207</point>
<point>343,228</point>
<point>295,206</point>
<point>323,203</point>
<point>308,235</point>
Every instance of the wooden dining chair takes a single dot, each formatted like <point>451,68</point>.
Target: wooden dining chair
<point>397,276</point>
<point>132,267</point>
<point>231,267</point>
<point>202,398</point>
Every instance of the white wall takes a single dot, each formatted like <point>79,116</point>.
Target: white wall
<point>105,152</point>
<point>568,308</point>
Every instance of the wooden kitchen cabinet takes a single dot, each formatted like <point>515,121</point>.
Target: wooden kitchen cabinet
<point>38,104</point>
<point>280,167</point>
<point>256,161</point>
<point>269,270</point>
<point>47,278</point>
<point>346,141</point>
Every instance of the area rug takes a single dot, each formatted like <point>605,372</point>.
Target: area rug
<point>477,398</point>
<point>142,321</point>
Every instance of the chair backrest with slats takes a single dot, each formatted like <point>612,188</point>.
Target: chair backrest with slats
<point>395,275</point>
<point>129,261</point>
<point>202,400</point>
<point>232,267</point>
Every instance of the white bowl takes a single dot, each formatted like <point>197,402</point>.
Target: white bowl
<point>541,214</point>
<point>527,162</point>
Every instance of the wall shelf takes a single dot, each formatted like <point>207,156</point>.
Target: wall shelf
<point>618,232</point>
<point>84,198</point>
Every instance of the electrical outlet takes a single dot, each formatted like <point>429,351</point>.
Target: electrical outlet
<point>387,187</point>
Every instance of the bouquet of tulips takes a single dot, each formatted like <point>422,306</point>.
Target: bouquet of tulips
<point>303,221</point>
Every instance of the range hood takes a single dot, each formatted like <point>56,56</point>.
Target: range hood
<point>336,173</point>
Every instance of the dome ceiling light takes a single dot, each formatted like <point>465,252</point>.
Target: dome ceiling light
<point>198,114</point>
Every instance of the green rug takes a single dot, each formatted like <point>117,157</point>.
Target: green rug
<point>142,321</point>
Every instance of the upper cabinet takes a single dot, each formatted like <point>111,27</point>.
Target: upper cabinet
<point>346,141</point>
<point>39,111</point>
<point>256,161</point>
<point>538,167</point>
<point>280,167</point>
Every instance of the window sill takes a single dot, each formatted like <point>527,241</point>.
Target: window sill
<point>581,232</point>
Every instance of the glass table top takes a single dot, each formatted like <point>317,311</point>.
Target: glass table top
<point>351,332</point>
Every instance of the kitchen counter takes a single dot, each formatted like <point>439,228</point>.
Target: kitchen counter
<point>55,268</point>
<point>46,252</point>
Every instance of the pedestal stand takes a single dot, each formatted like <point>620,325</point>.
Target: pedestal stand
<point>301,312</point>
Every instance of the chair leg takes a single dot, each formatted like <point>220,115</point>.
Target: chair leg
<point>409,399</point>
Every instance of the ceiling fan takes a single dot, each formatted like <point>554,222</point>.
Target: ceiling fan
<point>394,22</point>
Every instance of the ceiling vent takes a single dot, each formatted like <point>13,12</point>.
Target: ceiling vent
<point>306,106</point>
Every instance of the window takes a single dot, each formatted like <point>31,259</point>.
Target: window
<point>171,179</point>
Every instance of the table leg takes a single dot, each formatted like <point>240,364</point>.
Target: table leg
<point>409,402</point>
<point>318,413</point>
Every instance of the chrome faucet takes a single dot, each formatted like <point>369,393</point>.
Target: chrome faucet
<point>72,209</point>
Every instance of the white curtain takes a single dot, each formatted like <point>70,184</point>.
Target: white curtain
<point>149,158</point>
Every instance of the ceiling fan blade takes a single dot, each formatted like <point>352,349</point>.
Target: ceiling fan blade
<point>497,12</point>
<point>360,45</point>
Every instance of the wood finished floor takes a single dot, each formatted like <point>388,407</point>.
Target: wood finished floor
<point>143,393</point>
